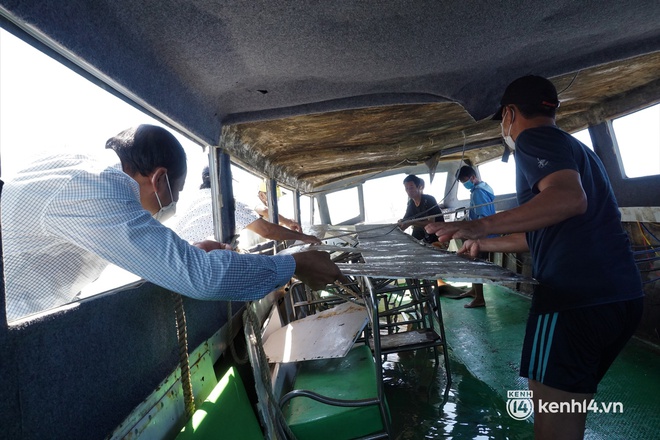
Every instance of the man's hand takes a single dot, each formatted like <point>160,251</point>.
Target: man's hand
<point>462,229</point>
<point>471,248</point>
<point>315,269</point>
<point>211,245</point>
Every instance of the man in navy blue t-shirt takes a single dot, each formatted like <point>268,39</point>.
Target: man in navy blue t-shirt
<point>589,299</point>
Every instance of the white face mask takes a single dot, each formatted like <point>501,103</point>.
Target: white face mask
<point>165,212</point>
<point>508,140</point>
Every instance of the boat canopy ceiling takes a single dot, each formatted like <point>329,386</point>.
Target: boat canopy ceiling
<point>316,92</point>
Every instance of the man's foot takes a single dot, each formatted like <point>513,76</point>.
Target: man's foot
<point>477,302</point>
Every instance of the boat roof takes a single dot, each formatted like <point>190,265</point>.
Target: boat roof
<point>313,93</point>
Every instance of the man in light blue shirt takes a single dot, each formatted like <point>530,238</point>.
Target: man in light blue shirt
<point>481,205</point>
<point>66,217</point>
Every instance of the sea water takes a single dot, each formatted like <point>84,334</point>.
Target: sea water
<point>422,409</point>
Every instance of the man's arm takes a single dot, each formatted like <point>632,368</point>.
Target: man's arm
<point>560,197</point>
<point>507,243</point>
<point>120,231</point>
<point>313,268</point>
<point>294,226</point>
<point>276,232</point>
<point>263,212</point>
<point>212,245</point>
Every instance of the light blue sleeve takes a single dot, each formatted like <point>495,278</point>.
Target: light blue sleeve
<point>481,197</point>
<point>108,220</point>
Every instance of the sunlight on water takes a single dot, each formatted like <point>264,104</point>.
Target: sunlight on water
<point>415,394</point>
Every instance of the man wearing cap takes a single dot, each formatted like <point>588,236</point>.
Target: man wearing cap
<point>262,209</point>
<point>589,299</point>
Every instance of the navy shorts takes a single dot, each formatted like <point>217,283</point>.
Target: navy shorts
<point>571,350</point>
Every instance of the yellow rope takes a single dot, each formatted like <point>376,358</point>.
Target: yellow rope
<point>184,361</point>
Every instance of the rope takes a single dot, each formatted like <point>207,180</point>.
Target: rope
<point>184,361</point>
<point>395,225</point>
<point>458,210</point>
<point>569,84</point>
<point>392,225</point>
<point>239,360</point>
<point>650,233</point>
<point>651,281</point>
<point>264,371</point>
<point>645,239</point>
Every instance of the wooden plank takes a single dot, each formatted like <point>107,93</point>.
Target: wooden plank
<point>328,334</point>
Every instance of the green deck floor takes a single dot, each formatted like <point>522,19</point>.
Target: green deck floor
<point>485,346</point>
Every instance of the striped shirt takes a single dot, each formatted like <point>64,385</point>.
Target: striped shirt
<point>64,218</point>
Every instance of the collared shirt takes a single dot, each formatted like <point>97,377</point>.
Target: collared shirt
<point>64,218</point>
<point>197,222</point>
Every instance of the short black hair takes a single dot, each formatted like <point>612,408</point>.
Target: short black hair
<point>465,172</point>
<point>144,148</point>
<point>414,179</point>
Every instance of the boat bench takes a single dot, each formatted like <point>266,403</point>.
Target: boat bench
<point>226,413</point>
<point>349,378</point>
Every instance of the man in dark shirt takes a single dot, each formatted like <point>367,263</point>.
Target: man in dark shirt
<point>589,299</point>
<point>420,206</point>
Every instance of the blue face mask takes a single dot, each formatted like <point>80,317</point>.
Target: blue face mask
<point>468,185</point>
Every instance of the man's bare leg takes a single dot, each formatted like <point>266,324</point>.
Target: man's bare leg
<point>479,300</point>
<point>560,425</point>
<point>468,293</point>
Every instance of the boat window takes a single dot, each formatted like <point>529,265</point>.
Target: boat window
<point>638,139</point>
<point>501,176</point>
<point>305,213</point>
<point>343,205</point>
<point>316,213</point>
<point>45,108</point>
<point>384,199</point>
<point>437,187</point>
<point>285,203</point>
<point>245,186</point>
<point>584,137</point>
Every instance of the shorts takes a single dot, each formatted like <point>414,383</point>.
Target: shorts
<point>571,350</point>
